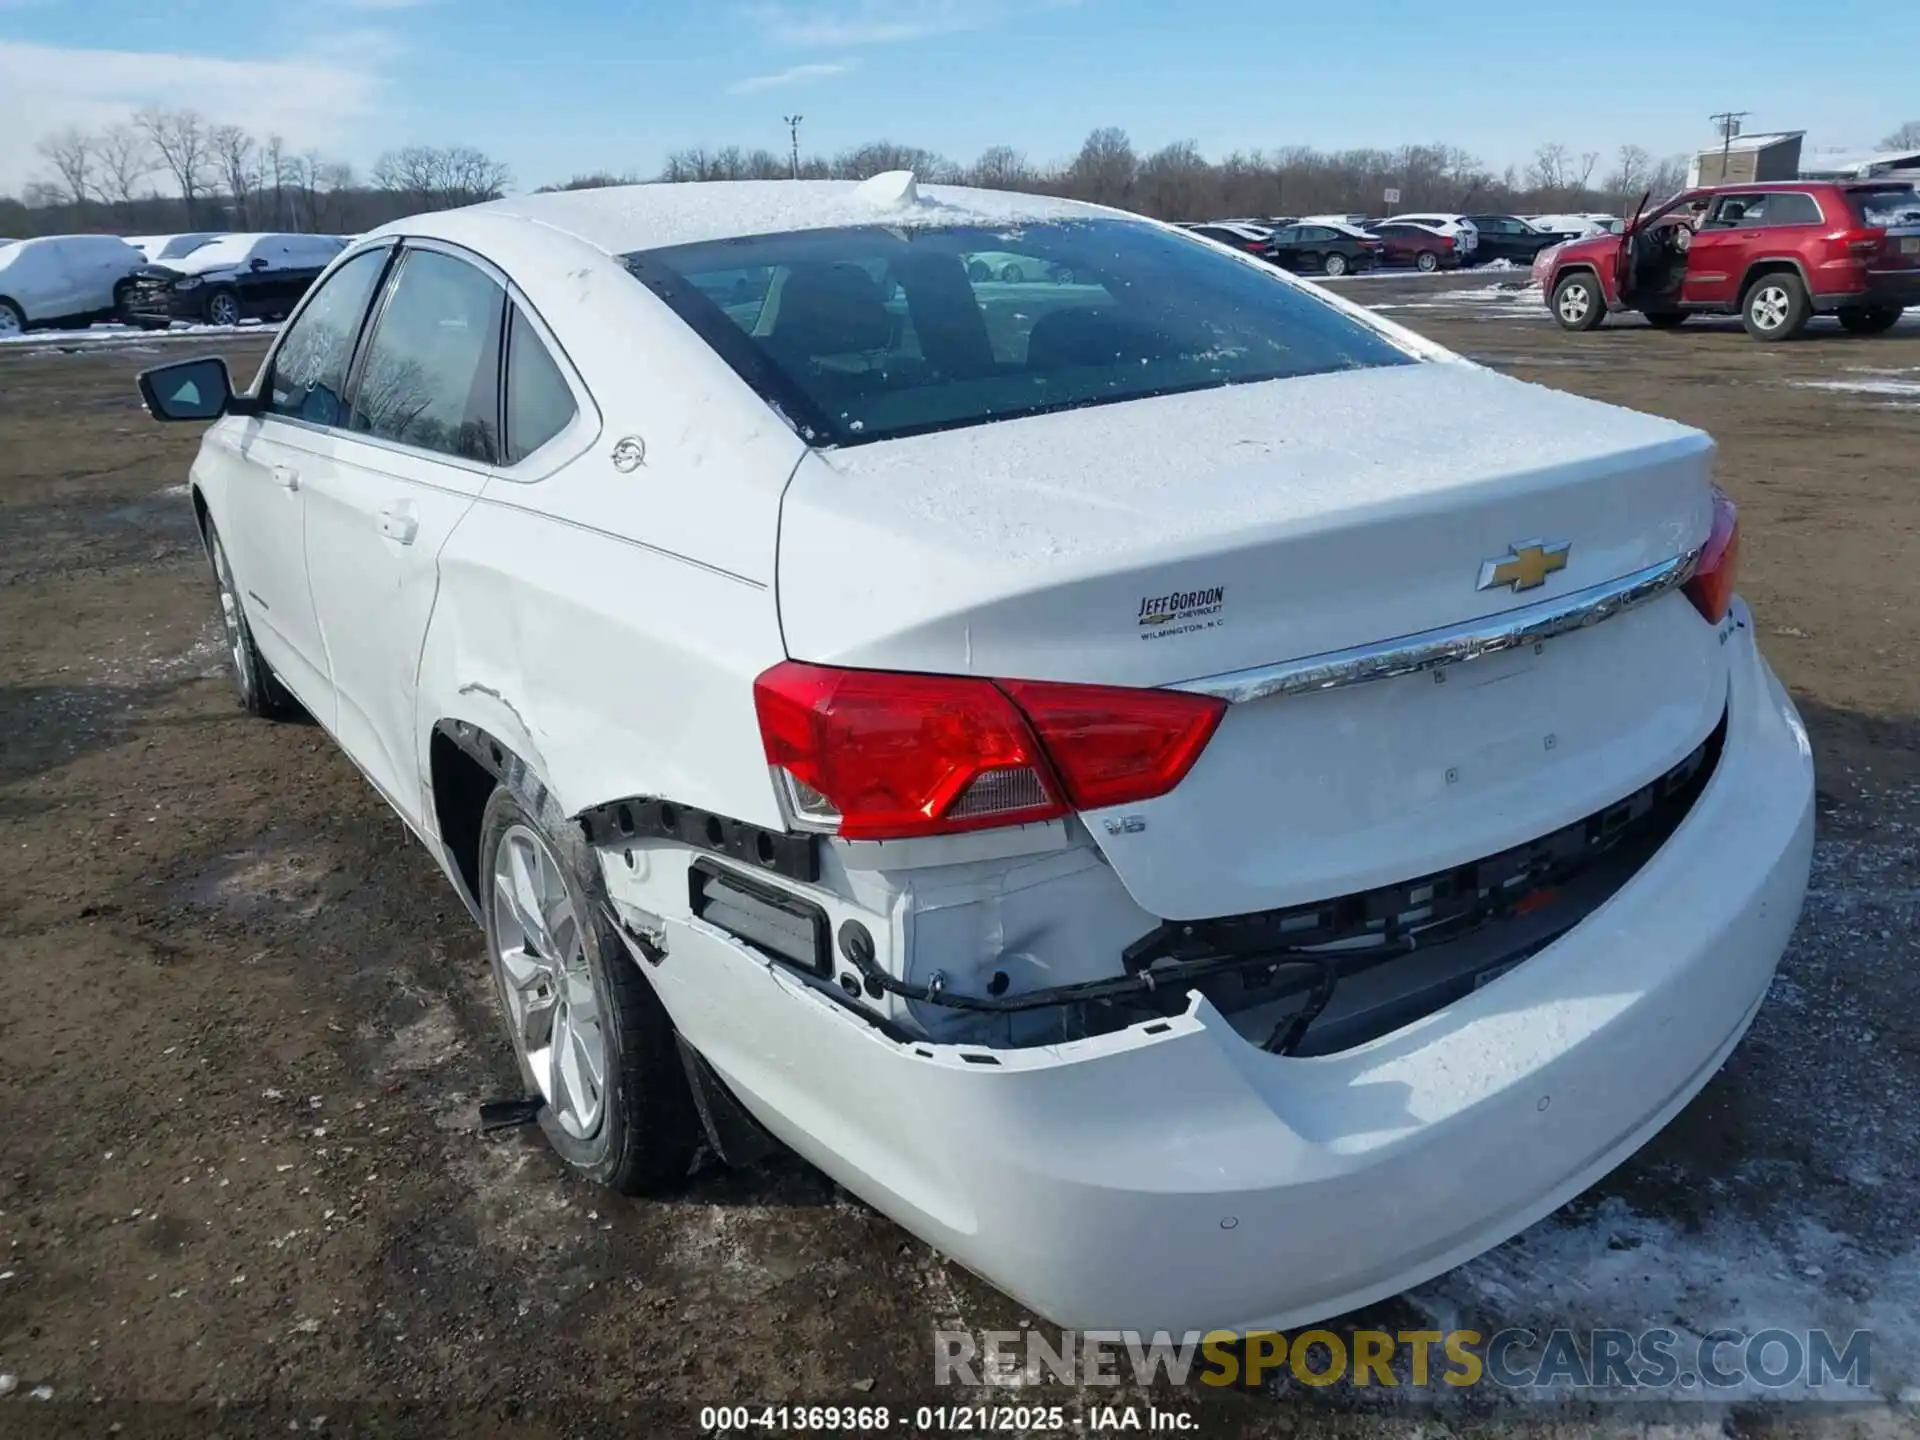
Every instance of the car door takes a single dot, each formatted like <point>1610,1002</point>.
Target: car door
<point>274,457</point>
<point>55,282</point>
<point>422,440</point>
<point>1717,253</point>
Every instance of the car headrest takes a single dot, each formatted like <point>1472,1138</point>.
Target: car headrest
<point>1087,335</point>
<point>831,310</point>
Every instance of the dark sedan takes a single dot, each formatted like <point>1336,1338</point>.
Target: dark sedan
<point>1420,246</point>
<point>230,279</point>
<point>1324,249</point>
<point>1508,237</point>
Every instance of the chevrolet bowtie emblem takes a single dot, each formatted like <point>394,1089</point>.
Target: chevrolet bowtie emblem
<point>1525,566</point>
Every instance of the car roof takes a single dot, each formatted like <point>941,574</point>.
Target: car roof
<point>625,218</point>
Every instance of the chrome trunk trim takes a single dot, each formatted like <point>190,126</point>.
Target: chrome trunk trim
<point>1452,644</point>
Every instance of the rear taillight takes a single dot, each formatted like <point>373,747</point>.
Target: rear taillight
<point>1711,588</point>
<point>1254,245</point>
<point>1446,242</point>
<point>1865,242</point>
<point>876,755</point>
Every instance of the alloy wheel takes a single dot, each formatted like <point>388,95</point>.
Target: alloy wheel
<point>1770,307</point>
<point>232,620</point>
<point>223,310</point>
<point>553,1008</point>
<point>1574,304</point>
<point>9,321</point>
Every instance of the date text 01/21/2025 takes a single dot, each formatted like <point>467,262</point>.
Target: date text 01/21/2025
<point>951,1419</point>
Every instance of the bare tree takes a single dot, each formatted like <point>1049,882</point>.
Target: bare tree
<point>1176,181</point>
<point>1631,168</point>
<point>877,157</point>
<point>275,171</point>
<point>1001,167</point>
<point>436,178</point>
<point>1907,137</point>
<point>125,160</point>
<point>1583,178</point>
<point>1548,171</point>
<point>1106,167</point>
<point>179,137</point>
<point>72,152</point>
<point>233,158</point>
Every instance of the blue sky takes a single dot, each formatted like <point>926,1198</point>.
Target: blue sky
<point>555,89</point>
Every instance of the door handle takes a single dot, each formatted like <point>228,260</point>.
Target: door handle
<point>399,523</point>
<point>286,477</point>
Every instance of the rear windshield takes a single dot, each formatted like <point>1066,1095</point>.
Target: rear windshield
<point>869,333</point>
<point>1887,205</point>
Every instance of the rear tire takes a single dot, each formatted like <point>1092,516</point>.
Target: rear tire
<point>13,320</point>
<point>1013,275</point>
<point>977,271</point>
<point>562,973</point>
<point>1426,260</point>
<point>1877,320</point>
<point>1776,307</point>
<point>1578,303</point>
<point>1666,319</point>
<point>1335,264</point>
<point>261,692</point>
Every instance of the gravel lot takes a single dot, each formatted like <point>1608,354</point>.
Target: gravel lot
<point>247,1025</point>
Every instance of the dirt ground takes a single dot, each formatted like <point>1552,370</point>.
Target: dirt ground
<point>245,1024</point>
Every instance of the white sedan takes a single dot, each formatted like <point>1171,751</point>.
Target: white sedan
<point>1203,806</point>
<point>64,280</point>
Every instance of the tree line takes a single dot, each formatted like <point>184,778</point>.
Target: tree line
<point>162,170</point>
<point>166,170</point>
<point>1178,182</point>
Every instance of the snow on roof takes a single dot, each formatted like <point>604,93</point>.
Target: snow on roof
<point>625,218</point>
<point>1756,142</point>
<point>1858,163</point>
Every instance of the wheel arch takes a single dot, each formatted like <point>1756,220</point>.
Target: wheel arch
<point>1765,265</point>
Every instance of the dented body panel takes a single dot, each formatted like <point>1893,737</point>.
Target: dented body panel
<point>594,617</point>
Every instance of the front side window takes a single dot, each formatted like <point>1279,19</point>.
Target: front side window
<point>540,403</point>
<point>871,332</point>
<point>309,370</point>
<point>431,377</point>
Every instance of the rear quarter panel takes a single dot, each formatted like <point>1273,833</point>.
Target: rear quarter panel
<point>609,623</point>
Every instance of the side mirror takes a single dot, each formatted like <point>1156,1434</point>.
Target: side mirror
<point>259,262</point>
<point>193,390</point>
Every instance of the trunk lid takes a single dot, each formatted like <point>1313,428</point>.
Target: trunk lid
<point>1167,540</point>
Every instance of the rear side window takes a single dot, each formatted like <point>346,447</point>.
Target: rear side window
<point>870,332</point>
<point>540,403</point>
<point>1890,206</point>
<point>431,377</point>
<point>309,374</point>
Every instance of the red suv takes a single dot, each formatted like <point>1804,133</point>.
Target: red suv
<point>1774,254</point>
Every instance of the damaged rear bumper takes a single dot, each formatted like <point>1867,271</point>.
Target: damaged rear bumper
<point>1172,1175</point>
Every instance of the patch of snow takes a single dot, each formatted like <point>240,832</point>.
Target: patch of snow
<point>132,335</point>
<point>1619,1269</point>
<point>1883,385</point>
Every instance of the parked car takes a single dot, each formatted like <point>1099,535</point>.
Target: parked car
<point>990,757</point>
<point>1329,249</point>
<point>1420,246</point>
<point>64,280</point>
<point>1240,234</point>
<point>1465,233</point>
<point>1576,226</point>
<point>171,247</point>
<point>1508,237</point>
<point>1773,254</point>
<point>1012,269</point>
<point>230,279</point>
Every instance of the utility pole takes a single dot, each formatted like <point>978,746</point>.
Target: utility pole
<point>793,136</point>
<point>1729,123</point>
